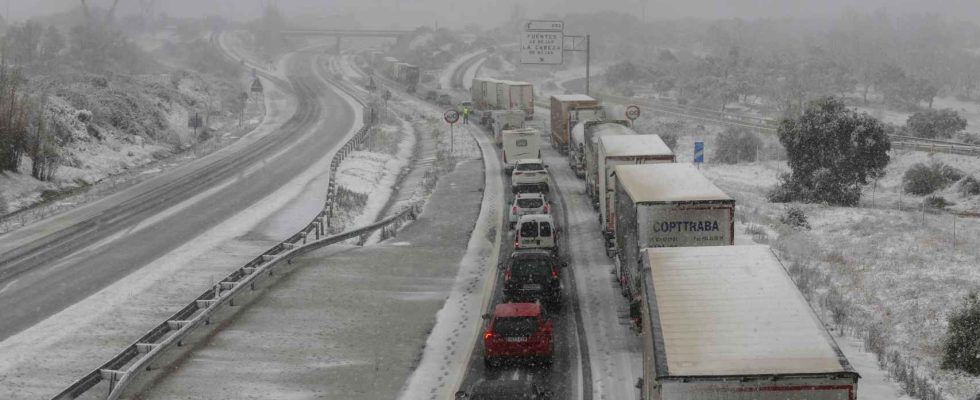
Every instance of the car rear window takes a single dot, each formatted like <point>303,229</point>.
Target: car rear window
<point>530,267</point>
<point>515,326</point>
<point>529,229</point>
<point>529,203</point>
<point>529,167</point>
<point>545,229</point>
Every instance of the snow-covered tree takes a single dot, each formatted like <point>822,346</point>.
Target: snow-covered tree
<point>832,151</point>
<point>935,123</point>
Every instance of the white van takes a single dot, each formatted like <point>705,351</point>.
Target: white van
<point>536,231</point>
<point>519,144</point>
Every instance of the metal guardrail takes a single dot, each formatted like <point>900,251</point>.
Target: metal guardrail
<point>144,360</point>
<point>767,125</point>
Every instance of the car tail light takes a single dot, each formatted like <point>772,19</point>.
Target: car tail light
<point>513,210</point>
<point>545,208</point>
<point>554,273</point>
<point>487,336</point>
<point>506,275</point>
<point>517,244</point>
<point>518,173</point>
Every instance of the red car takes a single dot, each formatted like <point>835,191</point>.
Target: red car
<point>518,330</point>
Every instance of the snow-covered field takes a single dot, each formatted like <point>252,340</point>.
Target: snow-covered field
<point>890,268</point>
<point>375,173</point>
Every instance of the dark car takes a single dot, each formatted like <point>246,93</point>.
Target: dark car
<point>431,95</point>
<point>505,389</point>
<point>532,275</point>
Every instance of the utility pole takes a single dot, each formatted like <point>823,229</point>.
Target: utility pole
<point>588,60</point>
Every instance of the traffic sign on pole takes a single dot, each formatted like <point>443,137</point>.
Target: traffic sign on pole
<point>632,112</point>
<point>451,116</point>
<point>544,26</point>
<point>698,152</point>
<point>543,42</point>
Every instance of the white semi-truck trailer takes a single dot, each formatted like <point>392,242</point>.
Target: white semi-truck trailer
<point>727,322</point>
<point>624,150</point>
<point>592,131</point>
<point>666,205</point>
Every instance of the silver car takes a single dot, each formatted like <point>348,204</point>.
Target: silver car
<point>527,204</point>
<point>529,175</point>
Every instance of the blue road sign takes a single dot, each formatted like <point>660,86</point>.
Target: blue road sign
<point>698,152</point>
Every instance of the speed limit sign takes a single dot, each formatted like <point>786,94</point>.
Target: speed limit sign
<point>632,112</point>
<point>451,116</point>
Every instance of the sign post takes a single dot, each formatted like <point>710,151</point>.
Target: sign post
<point>632,113</point>
<point>543,42</point>
<point>451,116</point>
<point>699,153</point>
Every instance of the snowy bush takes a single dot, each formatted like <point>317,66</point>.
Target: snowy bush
<point>970,186</point>
<point>822,187</point>
<point>737,145</point>
<point>921,179</point>
<point>669,132</point>
<point>937,202</point>
<point>83,116</point>
<point>961,349</point>
<point>935,123</point>
<point>795,217</point>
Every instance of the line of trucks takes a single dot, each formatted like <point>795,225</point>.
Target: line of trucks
<point>718,321</point>
<point>394,69</point>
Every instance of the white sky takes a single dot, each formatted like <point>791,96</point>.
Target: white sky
<point>457,13</point>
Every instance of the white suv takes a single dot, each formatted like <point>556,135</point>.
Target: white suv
<point>529,175</point>
<point>527,204</point>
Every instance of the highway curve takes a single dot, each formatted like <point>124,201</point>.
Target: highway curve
<point>57,262</point>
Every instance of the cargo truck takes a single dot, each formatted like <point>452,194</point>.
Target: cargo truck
<point>593,130</point>
<point>408,75</point>
<point>562,108</point>
<point>729,323</point>
<point>665,205</point>
<point>388,66</point>
<point>624,150</point>
<point>519,144</point>
<point>515,95</point>
<point>576,148</point>
<point>483,92</point>
<point>502,120</point>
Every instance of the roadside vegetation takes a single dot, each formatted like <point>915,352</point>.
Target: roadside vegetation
<point>85,95</point>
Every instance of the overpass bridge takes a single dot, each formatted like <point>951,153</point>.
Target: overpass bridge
<point>342,33</point>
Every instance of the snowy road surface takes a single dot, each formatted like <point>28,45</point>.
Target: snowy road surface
<point>345,326</point>
<point>167,254</point>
